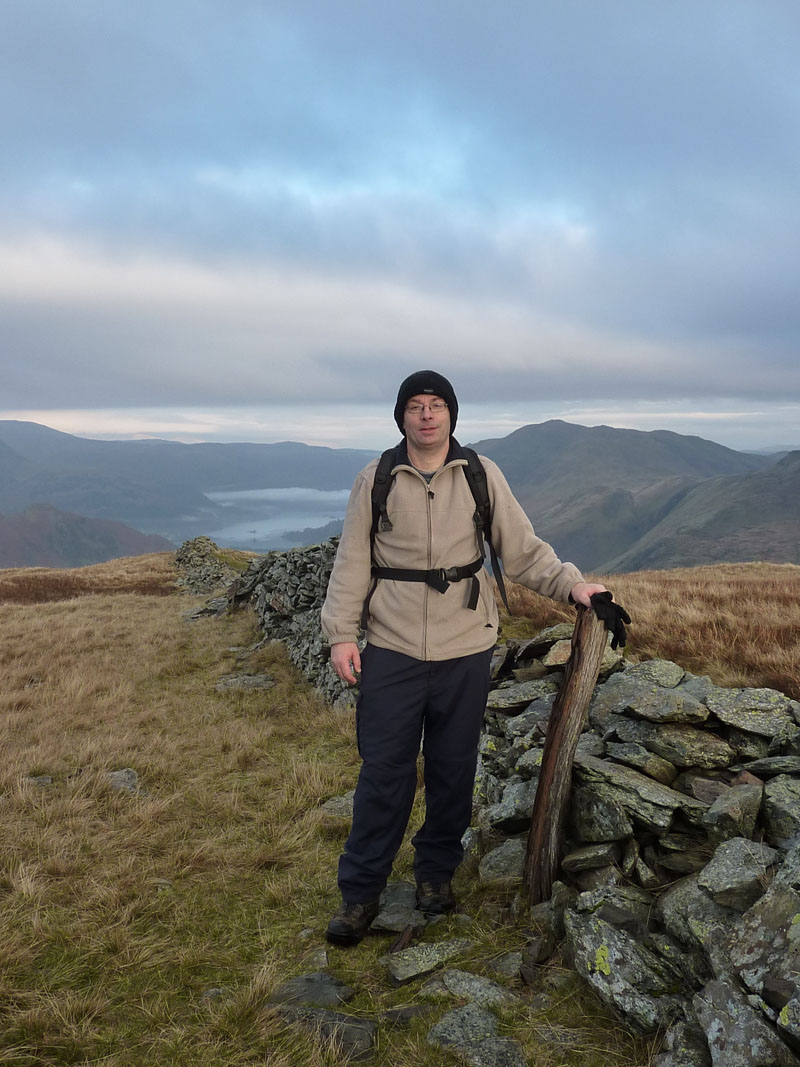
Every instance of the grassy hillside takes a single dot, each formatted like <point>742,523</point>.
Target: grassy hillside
<point>121,912</point>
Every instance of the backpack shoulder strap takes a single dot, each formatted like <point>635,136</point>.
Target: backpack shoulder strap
<point>381,485</point>
<point>476,479</point>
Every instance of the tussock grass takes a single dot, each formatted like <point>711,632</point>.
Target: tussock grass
<point>119,913</point>
<point>150,575</point>
<point>737,622</point>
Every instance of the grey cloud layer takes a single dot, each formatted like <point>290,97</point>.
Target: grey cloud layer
<point>589,187</point>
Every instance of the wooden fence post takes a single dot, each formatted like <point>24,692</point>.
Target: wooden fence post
<point>545,838</point>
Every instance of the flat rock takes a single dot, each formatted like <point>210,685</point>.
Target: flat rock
<point>508,965</point>
<point>789,1018</point>
<point>614,697</point>
<point>529,764</point>
<point>700,786</point>
<point>780,810</point>
<point>597,877</point>
<point>691,915</point>
<point>503,864</point>
<point>538,645</point>
<point>356,1036</point>
<point>536,669</point>
<point>765,942</point>
<point>661,672</point>
<point>319,989</point>
<point>548,916</point>
<point>516,697</point>
<point>736,875</point>
<point>686,858</point>
<point>558,654</point>
<point>470,986</point>
<point>625,975</point>
<point>472,1032</point>
<point>734,813</point>
<point>421,959</point>
<point>537,951</point>
<point>789,870</point>
<point>591,744</point>
<point>244,682</point>
<point>561,651</point>
<point>772,765</point>
<point>532,721</point>
<point>758,711</point>
<point>125,780</point>
<point>737,1036</point>
<point>589,857</point>
<point>667,705</point>
<point>395,916</point>
<point>686,1046</point>
<point>636,755</point>
<point>502,656</point>
<point>679,743</point>
<point>597,814</point>
<point>340,807</point>
<point>747,746</point>
<point>625,906</point>
<point>645,800</point>
<point>513,813</point>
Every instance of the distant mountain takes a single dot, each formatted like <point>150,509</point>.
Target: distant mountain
<point>607,499</point>
<point>201,467</point>
<point>593,492</point>
<point>158,486</point>
<point>42,536</point>
<point>736,519</point>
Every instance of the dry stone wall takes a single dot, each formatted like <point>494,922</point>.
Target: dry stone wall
<point>680,900</point>
<point>286,591</point>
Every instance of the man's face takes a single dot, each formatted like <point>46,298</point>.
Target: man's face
<point>427,421</point>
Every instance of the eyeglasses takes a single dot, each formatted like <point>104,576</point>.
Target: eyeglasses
<point>436,406</point>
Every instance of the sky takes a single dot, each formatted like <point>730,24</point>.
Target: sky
<point>251,219</point>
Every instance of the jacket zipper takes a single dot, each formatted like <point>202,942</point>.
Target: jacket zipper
<point>428,497</point>
<point>426,591</point>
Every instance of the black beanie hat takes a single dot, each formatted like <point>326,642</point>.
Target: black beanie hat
<point>425,381</point>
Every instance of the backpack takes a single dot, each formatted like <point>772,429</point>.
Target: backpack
<point>441,577</point>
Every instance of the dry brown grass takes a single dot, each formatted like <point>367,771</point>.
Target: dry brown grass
<point>118,912</point>
<point>150,575</point>
<point>737,622</point>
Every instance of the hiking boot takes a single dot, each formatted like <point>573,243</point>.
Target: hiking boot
<point>351,922</point>
<point>435,899</point>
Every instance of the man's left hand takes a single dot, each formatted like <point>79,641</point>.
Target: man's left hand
<point>582,592</point>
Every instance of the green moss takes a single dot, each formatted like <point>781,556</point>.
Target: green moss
<point>601,963</point>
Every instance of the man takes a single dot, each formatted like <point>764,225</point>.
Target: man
<point>425,669</point>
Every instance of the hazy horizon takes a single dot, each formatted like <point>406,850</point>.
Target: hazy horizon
<point>364,429</point>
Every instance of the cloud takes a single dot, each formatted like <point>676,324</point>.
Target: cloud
<point>160,331</point>
<point>209,203</point>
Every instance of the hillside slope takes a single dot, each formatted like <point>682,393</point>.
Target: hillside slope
<point>756,517</point>
<point>595,492</point>
<point>44,536</point>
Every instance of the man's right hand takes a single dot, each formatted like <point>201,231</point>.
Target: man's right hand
<point>346,661</point>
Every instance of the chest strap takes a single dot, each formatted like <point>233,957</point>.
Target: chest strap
<point>439,578</point>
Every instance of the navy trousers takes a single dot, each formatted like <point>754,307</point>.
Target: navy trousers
<point>401,701</point>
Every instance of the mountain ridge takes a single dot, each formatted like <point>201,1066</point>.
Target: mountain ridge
<point>605,498</point>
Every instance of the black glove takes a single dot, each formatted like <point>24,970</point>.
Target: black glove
<point>613,615</point>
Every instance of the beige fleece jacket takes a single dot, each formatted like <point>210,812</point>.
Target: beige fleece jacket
<point>433,527</point>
